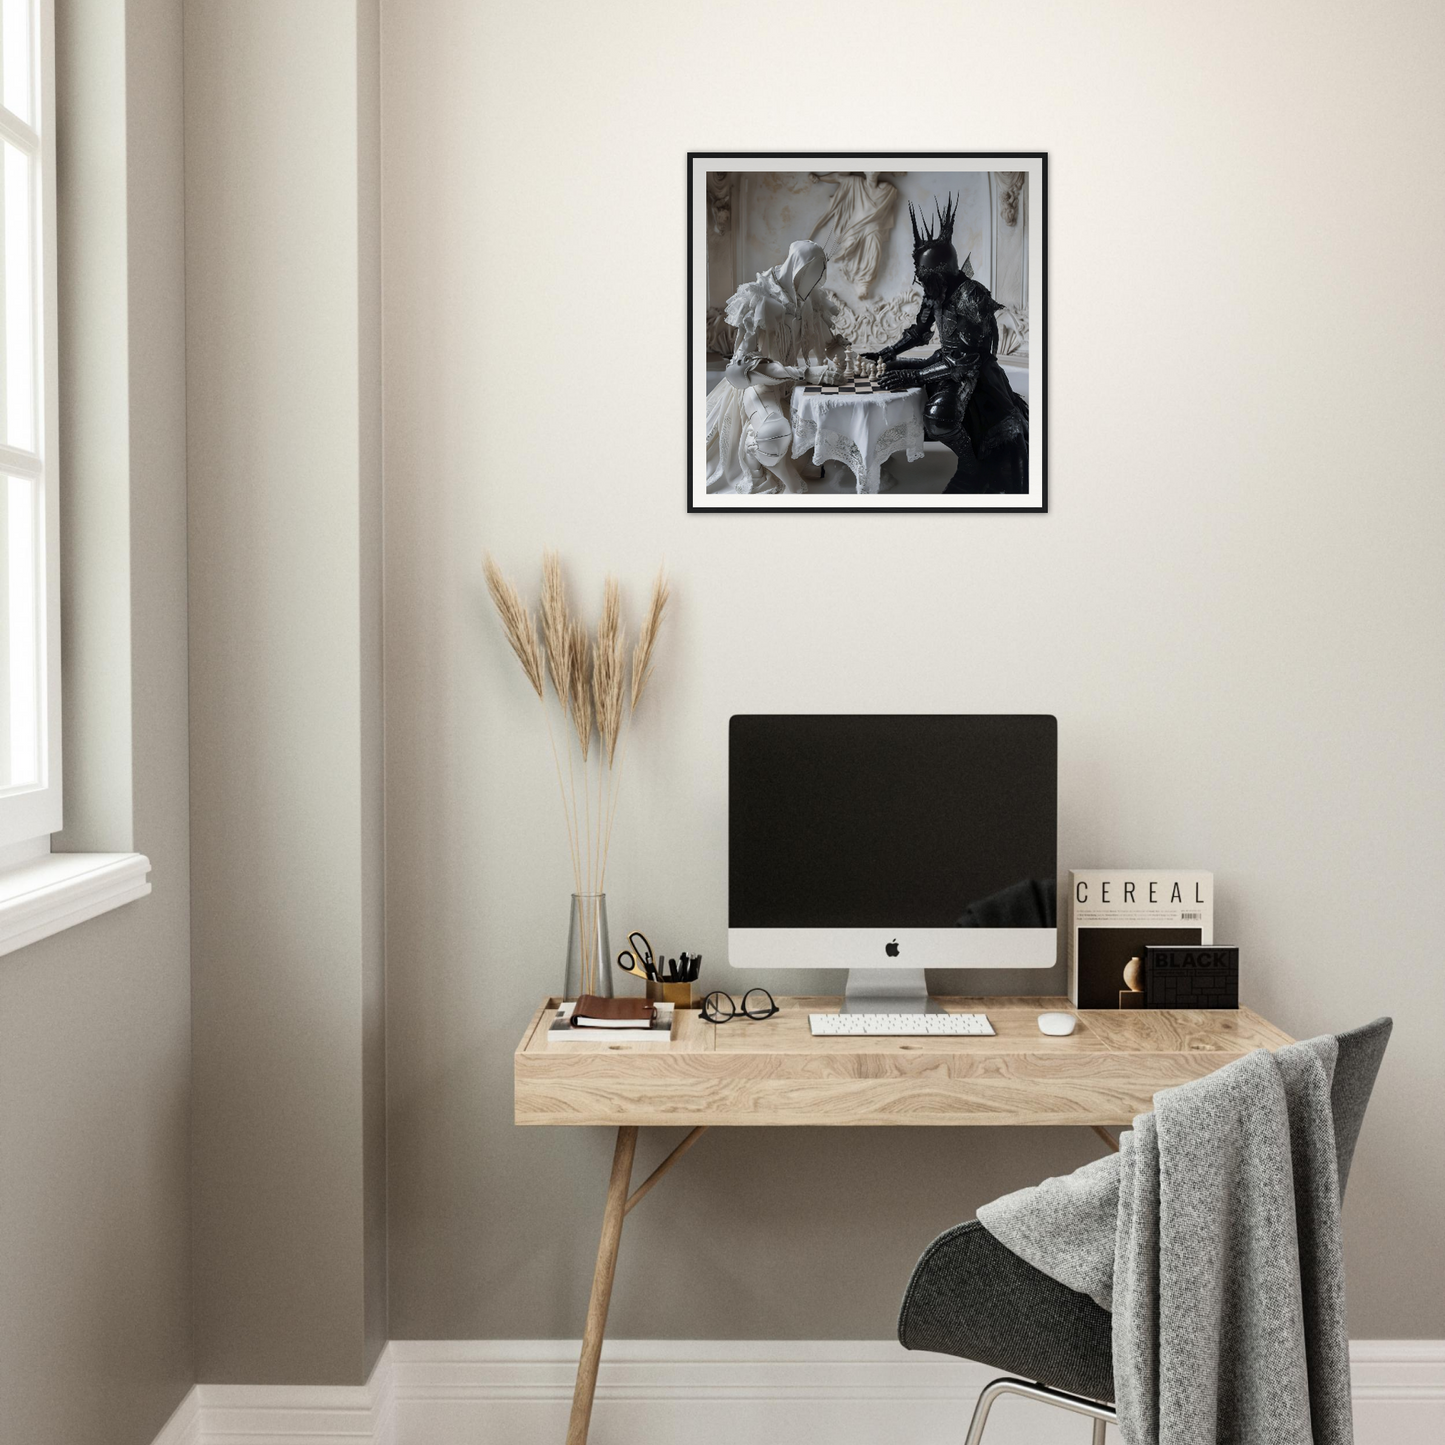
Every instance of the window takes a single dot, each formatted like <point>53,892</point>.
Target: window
<point>30,795</point>
<point>41,892</point>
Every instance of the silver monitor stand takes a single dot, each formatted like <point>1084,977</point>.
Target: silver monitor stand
<point>887,991</point>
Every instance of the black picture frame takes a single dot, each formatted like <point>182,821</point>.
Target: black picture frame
<point>1037,501</point>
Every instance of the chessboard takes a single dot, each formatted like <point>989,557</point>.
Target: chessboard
<point>844,388</point>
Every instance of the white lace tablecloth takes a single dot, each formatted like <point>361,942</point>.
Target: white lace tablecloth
<point>862,432</point>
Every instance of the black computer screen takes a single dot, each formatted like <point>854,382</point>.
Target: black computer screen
<point>911,821</point>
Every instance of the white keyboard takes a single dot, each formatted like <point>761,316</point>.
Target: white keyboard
<point>912,1026</point>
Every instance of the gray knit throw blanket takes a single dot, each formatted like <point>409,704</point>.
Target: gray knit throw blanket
<point>1214,1237</point>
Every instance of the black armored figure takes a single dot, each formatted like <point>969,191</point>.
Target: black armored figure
<point>971,407</point>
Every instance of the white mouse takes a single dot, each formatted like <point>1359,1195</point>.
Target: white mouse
<point>1058,1024</point>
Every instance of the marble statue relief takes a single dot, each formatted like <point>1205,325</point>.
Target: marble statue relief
<point>1011,194</point>
<point>1013,330</point>
<point>872,325</point>
<point>721,338</point>
<point>719,202</point>
<point>858,218</point>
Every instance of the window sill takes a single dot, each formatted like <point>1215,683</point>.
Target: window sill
<point>60,890</point>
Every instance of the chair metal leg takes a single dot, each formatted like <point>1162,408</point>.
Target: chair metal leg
<point>1099,1413</point>
<point>980,1411</point>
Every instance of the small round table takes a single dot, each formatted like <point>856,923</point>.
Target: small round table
<point>857,426</point>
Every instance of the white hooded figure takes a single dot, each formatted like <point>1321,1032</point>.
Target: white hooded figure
<point>784,330</point>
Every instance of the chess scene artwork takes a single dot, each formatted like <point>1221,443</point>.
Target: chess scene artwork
<point>866,333</point>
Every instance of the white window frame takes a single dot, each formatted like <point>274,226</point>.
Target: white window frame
<point>42,892</point>
<point>29,815</point>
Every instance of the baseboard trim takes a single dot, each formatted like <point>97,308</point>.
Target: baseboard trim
<point>1399,1371</point>
<point>287,1414</point>
<point>544,1370</point>
<point>184,1427</point>
<point>704,1392</point>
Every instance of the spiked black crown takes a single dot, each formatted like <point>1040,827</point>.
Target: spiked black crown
<point>943,219</point>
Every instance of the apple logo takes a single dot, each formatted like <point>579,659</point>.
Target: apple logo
<point>891,949</point>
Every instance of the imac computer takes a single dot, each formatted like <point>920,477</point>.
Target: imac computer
<point>890,844</point>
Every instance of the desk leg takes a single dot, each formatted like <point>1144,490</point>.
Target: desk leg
<point>612,1216</point>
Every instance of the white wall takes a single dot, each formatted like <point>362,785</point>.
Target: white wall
<point>1234,605</point>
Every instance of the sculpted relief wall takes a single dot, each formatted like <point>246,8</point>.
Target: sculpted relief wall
<point>862,221</point>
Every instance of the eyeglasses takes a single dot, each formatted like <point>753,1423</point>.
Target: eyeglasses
<point>719,1008</point>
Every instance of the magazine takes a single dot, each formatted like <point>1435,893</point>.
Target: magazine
<point>1115,912</point>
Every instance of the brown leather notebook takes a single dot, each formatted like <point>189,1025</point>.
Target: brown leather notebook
<point>593,1012</point>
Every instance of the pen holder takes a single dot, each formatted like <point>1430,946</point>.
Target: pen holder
<point>679,994</point>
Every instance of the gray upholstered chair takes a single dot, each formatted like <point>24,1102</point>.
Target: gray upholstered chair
<point>972,1297</point>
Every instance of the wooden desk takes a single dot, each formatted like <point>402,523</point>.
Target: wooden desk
<point>770,1072</point>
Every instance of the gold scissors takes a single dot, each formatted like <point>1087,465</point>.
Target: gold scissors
<point>637,958</point>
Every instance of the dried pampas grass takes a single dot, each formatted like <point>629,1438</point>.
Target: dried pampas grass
<point>609,673</point>
<point>579,685</point>
<point>556,635</point>
<point>647,636</point>
<point>589,682</point>
<point>516,623</point>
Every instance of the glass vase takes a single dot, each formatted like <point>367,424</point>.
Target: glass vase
<point>589,952</point>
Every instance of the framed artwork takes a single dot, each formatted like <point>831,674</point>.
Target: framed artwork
<point>867,332</point>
